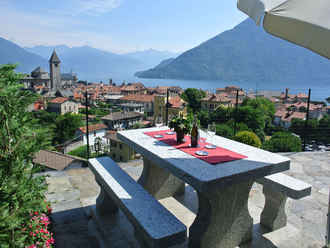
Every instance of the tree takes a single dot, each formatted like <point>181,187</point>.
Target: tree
<point>66,126</point>
<point>20,139</point>
<point>265,106</point>
<point>221,114</point>
<point>324,130</point>
<point>328,99</point>
<point>224,130</point>
<point>283,142</point>
<point>193,97</point>
<point>254,118</point>
<point>248,138</point>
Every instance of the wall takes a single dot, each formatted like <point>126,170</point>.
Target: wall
<point>92,137</point>
<point>121,152</point>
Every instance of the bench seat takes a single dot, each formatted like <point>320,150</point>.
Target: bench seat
<point>291,187</point>
<point>277,188</point>
<point>153,223</point>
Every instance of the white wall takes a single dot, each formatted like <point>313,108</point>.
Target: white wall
<point>92,137</point>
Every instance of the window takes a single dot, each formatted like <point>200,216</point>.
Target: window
<point>121,158</point>
<point>120,146</point>
<point>94,133</point>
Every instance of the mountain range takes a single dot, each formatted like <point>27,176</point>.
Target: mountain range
<point>89,63</point>
<point>245,53</point>
<point>10,53</point>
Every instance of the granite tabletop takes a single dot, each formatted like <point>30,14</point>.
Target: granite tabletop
<point>202,175</point>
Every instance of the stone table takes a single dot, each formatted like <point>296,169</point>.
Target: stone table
<point>223,219</point>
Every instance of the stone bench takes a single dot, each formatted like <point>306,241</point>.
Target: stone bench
<point>154,225</point>
<point>277,188</point>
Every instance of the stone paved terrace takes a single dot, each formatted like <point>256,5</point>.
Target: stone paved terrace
<point>73,192</point>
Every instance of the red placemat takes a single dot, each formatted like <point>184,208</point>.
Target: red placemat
<point>215,156</point>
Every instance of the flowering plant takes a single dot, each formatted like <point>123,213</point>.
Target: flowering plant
<point>38,231</point>
<point>181,124</point>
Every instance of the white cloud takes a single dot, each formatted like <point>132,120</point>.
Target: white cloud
<point>94,7</point>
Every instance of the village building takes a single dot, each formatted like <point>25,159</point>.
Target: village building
<point>176,107</point>
<point>53,83</point>
<point>122,120</point>
<point>119,151</point>
<point>214,101</point>
<point>62,105</point>
<point>133,89</point>
<point>138,103</point>
<point>96,131</point>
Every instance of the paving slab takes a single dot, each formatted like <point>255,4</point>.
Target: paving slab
<point>306,217</point>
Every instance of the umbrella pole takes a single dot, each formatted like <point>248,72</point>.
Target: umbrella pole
<point>327,237</point>
<point>307,117</point>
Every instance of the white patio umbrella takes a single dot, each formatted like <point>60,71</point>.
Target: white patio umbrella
<point>303,22</point>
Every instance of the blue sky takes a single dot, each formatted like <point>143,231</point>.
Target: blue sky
<point>117,25</point>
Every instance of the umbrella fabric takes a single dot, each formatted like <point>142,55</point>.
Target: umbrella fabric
<point>303,22</point>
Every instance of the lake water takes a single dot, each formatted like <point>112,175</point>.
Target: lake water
<point>319,92</point>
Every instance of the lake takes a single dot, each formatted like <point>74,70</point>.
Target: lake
<point>320,91</point>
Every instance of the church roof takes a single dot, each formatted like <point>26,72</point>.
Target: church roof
<point>38,70</point>
<point>64,93</point>
<point>54,58</point>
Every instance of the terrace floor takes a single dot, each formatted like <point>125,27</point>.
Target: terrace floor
<point>73,193</point>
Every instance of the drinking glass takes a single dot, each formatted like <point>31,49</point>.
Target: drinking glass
<point>159,121</point>
<point>211,129</point>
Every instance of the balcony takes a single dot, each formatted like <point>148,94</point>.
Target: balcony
<point>73,192</point>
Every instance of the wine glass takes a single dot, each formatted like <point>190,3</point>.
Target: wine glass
<point>211,129</point>
<point>159,121</point>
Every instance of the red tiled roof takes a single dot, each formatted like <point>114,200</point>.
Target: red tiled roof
<point>54,160</point>
<point>93,128</point>
<point>176,102</point>
<point>133,87</point>
<point>294,115</point>
<point>59,100</point>
<point>138,98</point>
<point>217,98</point>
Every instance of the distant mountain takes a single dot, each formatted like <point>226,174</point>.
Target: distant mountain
<point>46,51</point>
<point>151,57</point>
<point>245,53</point>
<point>10,53</point>
<point>162,64</point>
<point>95,65</point>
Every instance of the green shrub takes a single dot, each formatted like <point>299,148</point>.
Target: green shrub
<point>283,142</point>
<point>248,138</point>
<point>20,138</point>
<point>224,131</point>
<point>81,152</point>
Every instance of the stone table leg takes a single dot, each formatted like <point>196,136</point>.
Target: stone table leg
<point>104,204</point>
<point>159,182</point>
<point>273,215</point>
<point>223,218</point>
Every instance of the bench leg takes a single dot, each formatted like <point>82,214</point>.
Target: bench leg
<point>104,204</point>
<point>273,215</point>
<point>223,218</point>
<point>159,182</point>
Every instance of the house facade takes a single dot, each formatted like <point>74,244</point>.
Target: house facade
<point>94,131</point>
<point>143,103</point>
<point>119,151</point>
<point>122,120</point>
<point>62,105</point>
<point>214,101</point>
<point>176,107</point>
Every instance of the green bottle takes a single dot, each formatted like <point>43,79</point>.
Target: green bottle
<point>194,134</point>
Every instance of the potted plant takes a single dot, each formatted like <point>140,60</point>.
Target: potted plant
<point>181,125</point>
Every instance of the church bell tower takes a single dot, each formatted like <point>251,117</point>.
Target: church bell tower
<point>55,72</point>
